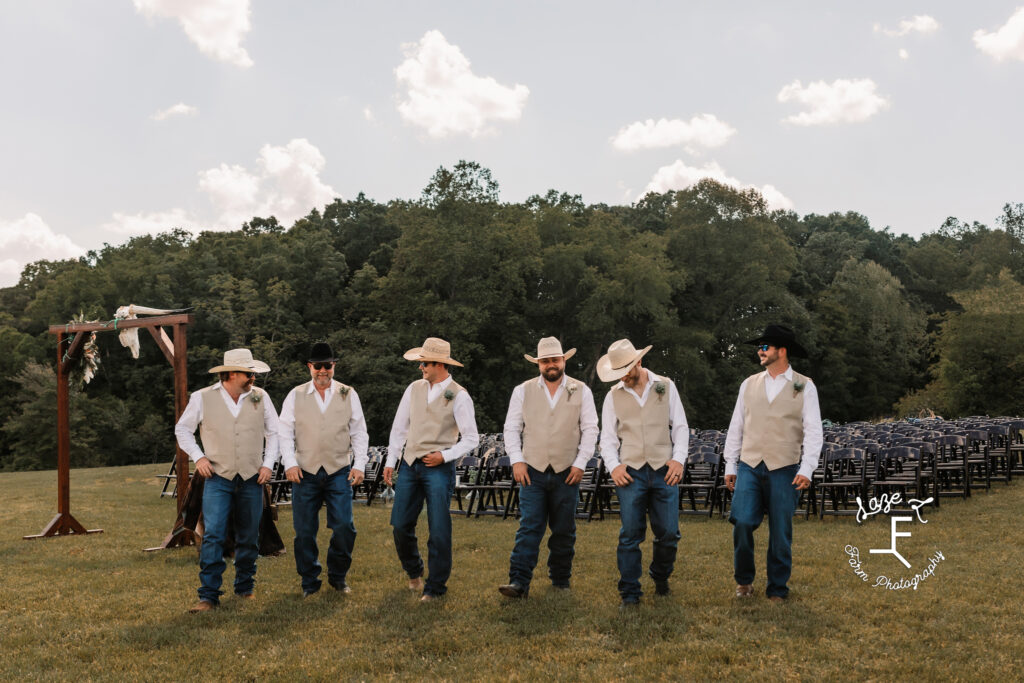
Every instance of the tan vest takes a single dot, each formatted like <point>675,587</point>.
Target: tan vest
<point>772,432</point>
<point>432,426</point>
<point>234,445</point>
<point>644,434</point>
<point>322,439</point>
<point>551,436</point>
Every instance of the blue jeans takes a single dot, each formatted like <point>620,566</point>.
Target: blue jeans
<point>760,490</point>
<point>546,500</point>
<point>415,484</point>
<point>308,496</point>
<point>648,493</point>
<point>221,498</point>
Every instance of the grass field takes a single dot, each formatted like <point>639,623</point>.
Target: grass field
<point>98,608</point>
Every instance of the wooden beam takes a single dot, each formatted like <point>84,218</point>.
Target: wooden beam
<point>66,361</point>
<point>162,340</point>
<point>113,325</point>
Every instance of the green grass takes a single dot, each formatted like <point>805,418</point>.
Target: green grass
<point>97,607</point>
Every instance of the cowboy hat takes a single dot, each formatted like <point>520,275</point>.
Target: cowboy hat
<point>321,353</point>
<point>433,349</point>
<point>779,335</point>
<point>619,360</point>
<point>549,347</point>
<point>240,360</point>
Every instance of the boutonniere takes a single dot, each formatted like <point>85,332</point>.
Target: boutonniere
<point>798,386</point>
<point>659,389</point>
<point>570,389</point>
<point>343,390</point>
<point>448,396</point>
<point>255,398</point>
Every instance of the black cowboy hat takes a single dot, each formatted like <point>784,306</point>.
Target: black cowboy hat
<point>321,353</point>
<point>779,335</point>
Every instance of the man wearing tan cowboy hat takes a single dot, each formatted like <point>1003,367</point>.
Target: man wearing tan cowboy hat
<point>234,420</point>
<point>436,423</point>
<point>776,417</point>
<point>324,452</point>
<point>550,434</point>
<point>644,440</point>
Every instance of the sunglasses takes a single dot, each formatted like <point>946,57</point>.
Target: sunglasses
<point>322,366</point>
<point>247,374</point>
<point>764,347</point>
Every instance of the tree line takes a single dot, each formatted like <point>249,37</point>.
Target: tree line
<point>895,325</point>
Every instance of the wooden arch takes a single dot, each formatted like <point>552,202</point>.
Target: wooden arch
<point>176,351</point>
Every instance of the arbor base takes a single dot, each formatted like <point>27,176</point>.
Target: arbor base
<point>63,524</point>
<point>179,537</point>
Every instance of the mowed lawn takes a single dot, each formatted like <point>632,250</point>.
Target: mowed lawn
<point>97,607</point>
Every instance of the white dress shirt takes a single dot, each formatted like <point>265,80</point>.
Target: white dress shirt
<point>356,425</point>
<point>676,421</point>
<point>465,418</point>
<point>811,416</point>
<point>588,422</point>
<point>185,429</point>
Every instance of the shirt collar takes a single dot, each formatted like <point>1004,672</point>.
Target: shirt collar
<point>541,383</point>
<point>220,385</point>
<point>312,386</point>
<point>788,375</point>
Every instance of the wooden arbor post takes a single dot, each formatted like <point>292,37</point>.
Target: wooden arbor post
<point>64,523</point>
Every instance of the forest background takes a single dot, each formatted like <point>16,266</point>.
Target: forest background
<point>895,326</point>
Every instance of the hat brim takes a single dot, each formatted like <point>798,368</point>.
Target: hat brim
<point>417,354</point>
<point>607,373</point>
<point>792,348</point>
<point>567,355</point>
<point>322,360</point>
<point>257,366</point>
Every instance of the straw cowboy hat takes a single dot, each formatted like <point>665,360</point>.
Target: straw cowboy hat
<point>619,360</point>
<point>779,335</point>
<point>549,347</point>
<point>240,360</point>
<point>433,349</point>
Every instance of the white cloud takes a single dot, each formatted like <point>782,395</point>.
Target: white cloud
<point>149,223</point>
<point>679,176</point>
<point>30,239</point>
<point>286,184</point>
<point>704,130</point>
<point>445,97</point>
<point>179,109</point>
<point>922,23</point>
<point>1006,42</point>
<point>842,101</point>
<point>904,54</point>
<point>217,27</point>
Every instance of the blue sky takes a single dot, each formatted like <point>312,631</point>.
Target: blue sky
<point>133,116</point>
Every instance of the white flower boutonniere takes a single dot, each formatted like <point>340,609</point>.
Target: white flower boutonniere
<point>570,389</point>
<point>448,396</point>
<point>660,388</point>
<point>255,397</point>
<point>798,386</point>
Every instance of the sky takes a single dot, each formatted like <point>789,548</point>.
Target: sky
<point>127,117</point>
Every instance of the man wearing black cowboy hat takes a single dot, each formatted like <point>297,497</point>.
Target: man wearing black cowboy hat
<point>323,448</point>
<point>776,417</point>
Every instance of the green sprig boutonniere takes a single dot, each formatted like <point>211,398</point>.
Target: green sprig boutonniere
<point>255,398</point>
<point>798,386</point>
<point>343,390</point>
<point>448,396</point>
<point>659,389</point>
